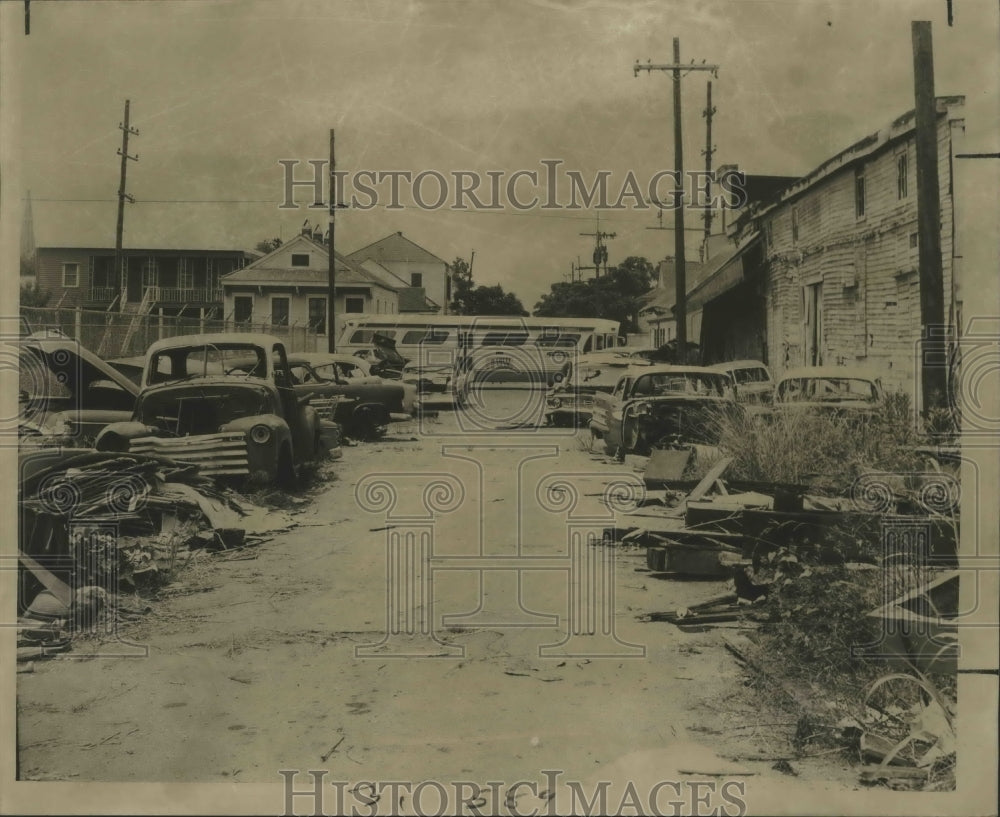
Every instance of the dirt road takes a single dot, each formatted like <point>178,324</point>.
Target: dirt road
<point>252,665</point>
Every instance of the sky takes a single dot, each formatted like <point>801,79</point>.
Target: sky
<point>222,91</point>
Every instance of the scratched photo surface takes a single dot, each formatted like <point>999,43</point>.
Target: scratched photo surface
<point>523,407</point>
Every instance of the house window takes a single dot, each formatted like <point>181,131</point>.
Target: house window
<point>279,311</point>
<point>354,304</point>
<point>243,308</point>
<point>300,259</point>
<point>902,189</point>
<point>317,315</point>
<point>71,275</point>
<point>795,225</point>
<point>416,279</point>
<point>185,273</point>
<point>149,274</point>
<point>859,193</point>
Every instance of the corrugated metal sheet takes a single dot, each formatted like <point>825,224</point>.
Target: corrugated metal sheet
<point>215,454</point>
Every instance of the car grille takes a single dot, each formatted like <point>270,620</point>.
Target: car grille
<point>219,454</point>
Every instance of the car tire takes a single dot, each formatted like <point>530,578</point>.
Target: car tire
<point>632,440</point>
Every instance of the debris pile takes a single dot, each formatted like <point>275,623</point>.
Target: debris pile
<point>97,524</point>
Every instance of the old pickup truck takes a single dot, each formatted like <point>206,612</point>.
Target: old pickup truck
<point>652,406</point>
<point>196,406</point>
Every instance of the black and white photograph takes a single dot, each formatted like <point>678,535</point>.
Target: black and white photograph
<point>500,407</point>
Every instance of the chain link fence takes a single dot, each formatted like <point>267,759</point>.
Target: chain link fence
<point>122,334</point>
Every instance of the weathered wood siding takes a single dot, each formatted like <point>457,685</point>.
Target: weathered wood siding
<point>868,266</point>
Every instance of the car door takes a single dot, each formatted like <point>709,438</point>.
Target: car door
<point>295,414</point>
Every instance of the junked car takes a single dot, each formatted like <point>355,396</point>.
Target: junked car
<point>67,393</point>
<point>752,378</point>
<point>363,406</point>
<point>835,390</point>
<point>245,422</point>
<point>655,406</point>
<point>570,402</point>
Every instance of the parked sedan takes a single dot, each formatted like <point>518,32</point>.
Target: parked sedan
<point>67,393</point>
<point>363,406</point>
<point>753,380</point>
<point>570,402</point>
<point>658,405</point>
<point>836,390</point>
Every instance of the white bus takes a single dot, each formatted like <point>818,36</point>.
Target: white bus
<point>433,338</point>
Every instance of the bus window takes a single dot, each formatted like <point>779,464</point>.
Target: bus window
<point>365,335</point>
<point>505,339</point>
<point>414,337</point>
<point>561,341</point>
<point>599,341</point>
<point>589,345</point>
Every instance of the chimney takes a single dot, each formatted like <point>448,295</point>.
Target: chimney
<point>317,234</point>
<point>306,229</point>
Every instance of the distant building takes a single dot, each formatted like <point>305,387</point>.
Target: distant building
<point>289,287</point>
<point>167,272</point>
<point>415,267</point>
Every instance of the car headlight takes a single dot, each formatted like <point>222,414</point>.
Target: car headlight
<point>260,434</point>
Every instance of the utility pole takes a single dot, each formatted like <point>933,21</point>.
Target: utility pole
<point>600,249</point>
<point>680,309</point>
<point>708,113</point>
<point>933,361</point>
<point>126,130</point>
<point>331,336</point>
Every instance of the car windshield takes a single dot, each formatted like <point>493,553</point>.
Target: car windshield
<point>754,374</point>
<point>338,370</point>
<point>694,383</point>
<point>205,361</point>
<point>827,389</point>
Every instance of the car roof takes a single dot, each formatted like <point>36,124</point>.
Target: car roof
<point>739,364</point>
<point>662,368</point>
<point>851,372</point>
<point>215,339</point>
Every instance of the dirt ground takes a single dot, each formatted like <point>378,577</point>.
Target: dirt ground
<point>252,664</point>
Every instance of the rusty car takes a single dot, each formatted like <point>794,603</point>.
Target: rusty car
<point>67,394</point>
<point>245,423</point>
<point>754,384</point>
<point>570,401</point>
<point>657,406</point>
<point>364,406</point>
<point>842,391</point>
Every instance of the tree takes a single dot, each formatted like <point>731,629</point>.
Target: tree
<point>34,295</point>
<point>461,286</point>
<point>469,299</point>
<point>268,245</point>
<point>615,295</point>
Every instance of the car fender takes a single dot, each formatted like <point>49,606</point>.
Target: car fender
<point>114,437</point>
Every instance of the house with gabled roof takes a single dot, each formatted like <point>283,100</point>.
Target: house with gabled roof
<point>412,264</point>
<point>289,287</point>
<point>412,300</point>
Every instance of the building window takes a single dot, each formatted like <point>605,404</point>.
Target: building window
<point>243,308</point>
<point>279,311</point>
<point>185,273</point>
<point>795,225</point>
<point>354,304</point>
<point>416,279</point>
<point>300,259</point>
<point>317,315</point>
<point>71,275</point>
<point>902,189</point>
<point>859,193</point>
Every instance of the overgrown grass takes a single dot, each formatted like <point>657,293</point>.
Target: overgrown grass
<point>825,451</point>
